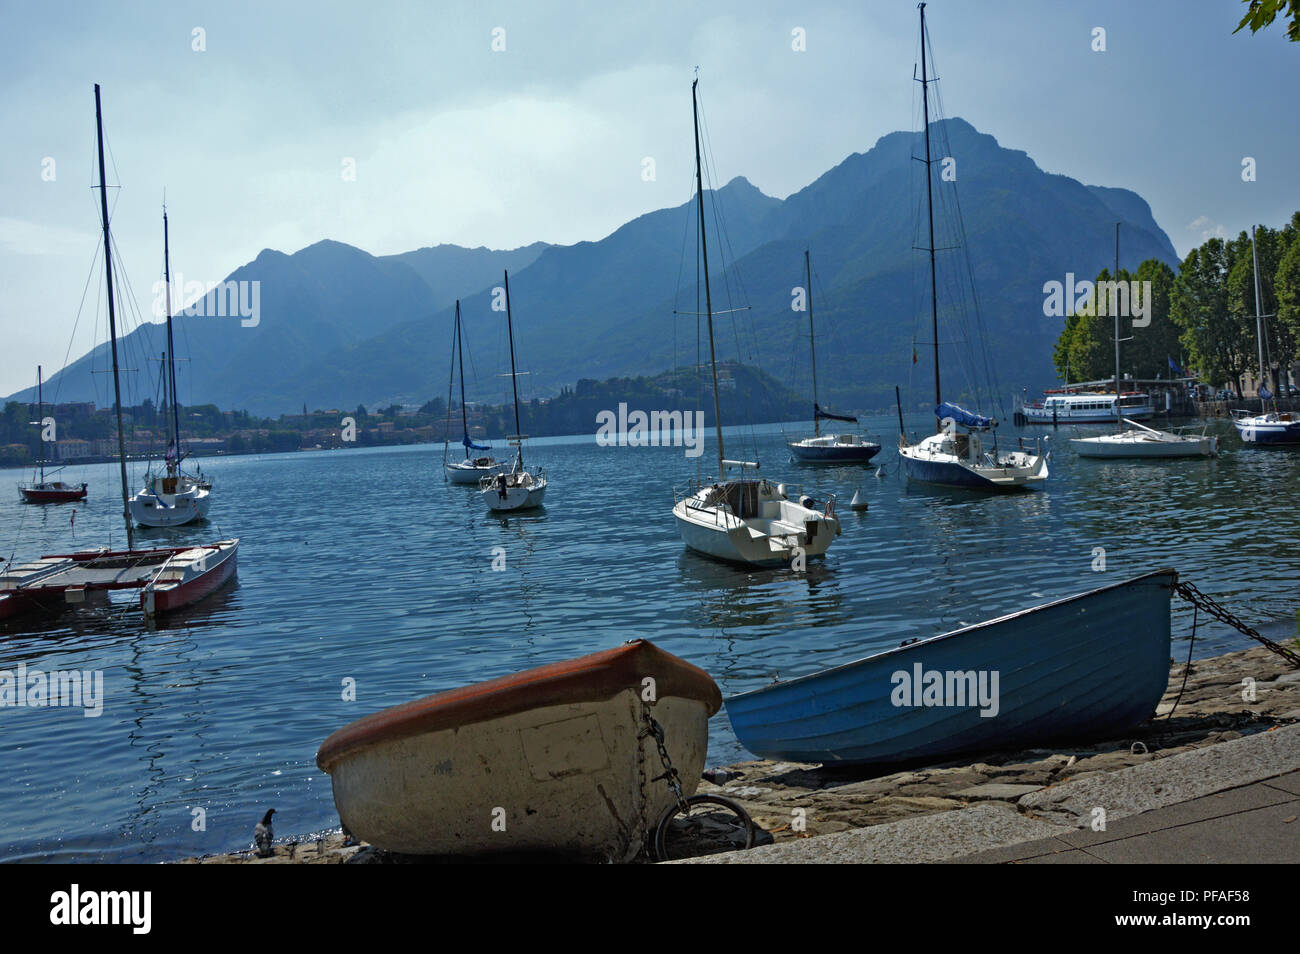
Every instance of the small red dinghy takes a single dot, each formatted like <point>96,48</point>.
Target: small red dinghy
<point>556,759</point>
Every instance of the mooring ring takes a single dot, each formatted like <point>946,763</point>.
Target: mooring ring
<point>661,830</point>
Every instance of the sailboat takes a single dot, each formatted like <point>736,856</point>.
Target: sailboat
<point>1271,428</point>
<point>518,488</point>
<point>171,498</point>
<point>843,448</point>
<point>472,469</point>
<point>956,456</point>
<point>47,491</point>
<point>1139,440</point>
<point>745,521</point>
<point>166,578</point>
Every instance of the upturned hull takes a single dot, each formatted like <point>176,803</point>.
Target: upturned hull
<point>554,760</point>
<point>1089,666</point>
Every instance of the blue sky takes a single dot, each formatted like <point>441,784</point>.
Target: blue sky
<point>455,142</point>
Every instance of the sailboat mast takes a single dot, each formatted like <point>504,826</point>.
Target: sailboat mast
<point>1259,311</point>
<point>708,298</point>
<point>929,205</point>
<point>460,357</point>
<point>807,269</point>
<point>40,417</point>
<point>112,320</point>
<point>1114,307</point>
<point>514,378</point>
<point>171,351</point>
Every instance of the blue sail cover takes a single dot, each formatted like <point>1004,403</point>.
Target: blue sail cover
<point>469,444</point>
<point>820,415</point>
<point>964,417</point>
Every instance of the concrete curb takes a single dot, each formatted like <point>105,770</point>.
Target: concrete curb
<point>1168,781</point>
<point>1050,812</point>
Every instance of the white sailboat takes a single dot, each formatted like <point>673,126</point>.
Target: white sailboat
<point>518,488</point>
<point>1268,428</point>
<point>471,470</point>
<point>957,455</point>
<point>842,448</point>
<point>745,520</point>
<point>166,578</point>
<point>1139,440</point>
<point>171,498</point>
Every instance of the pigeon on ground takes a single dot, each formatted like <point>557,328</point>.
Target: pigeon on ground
<point>263,836</point>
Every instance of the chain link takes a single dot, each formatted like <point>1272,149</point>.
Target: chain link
<point>1198,599</point>
<point>670,774</point>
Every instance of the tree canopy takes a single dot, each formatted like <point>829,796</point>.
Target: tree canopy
<point>1261,13</point>
<point>1202,319</point>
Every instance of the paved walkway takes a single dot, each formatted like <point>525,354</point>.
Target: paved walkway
<point>1236,801</point>
<point>1253,824</point>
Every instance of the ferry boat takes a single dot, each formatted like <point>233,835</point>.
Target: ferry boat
<point>1088,407</point>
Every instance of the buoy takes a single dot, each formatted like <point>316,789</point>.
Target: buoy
<point>858,502</point>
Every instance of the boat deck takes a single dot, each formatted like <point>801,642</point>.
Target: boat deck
<point>69,577</point>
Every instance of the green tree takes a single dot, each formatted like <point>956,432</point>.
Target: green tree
<point>1286,291</point>
<point>1148,354</point>
<point>1199,307</point>
<point>1260,13</point>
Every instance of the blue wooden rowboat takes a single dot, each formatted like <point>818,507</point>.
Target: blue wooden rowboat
<point>1087,666</point>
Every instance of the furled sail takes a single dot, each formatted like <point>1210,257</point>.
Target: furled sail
<point>963,417</point>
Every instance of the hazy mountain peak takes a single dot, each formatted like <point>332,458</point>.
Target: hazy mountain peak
<point>341,326</point>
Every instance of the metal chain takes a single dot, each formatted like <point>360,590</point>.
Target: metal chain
<point>1198,599</point>
<point>644,807</point>
<point>670,774</point>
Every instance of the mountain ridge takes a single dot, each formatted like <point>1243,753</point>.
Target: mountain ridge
<point>340,326</point>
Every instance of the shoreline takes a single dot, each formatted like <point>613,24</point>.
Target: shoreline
<point>793,801</point>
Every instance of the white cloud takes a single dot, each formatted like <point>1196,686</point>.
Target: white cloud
<point>1208,231</point>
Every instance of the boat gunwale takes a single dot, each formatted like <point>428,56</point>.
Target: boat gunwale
<point>85,555</point>
<point>593,677</point>
<point>920,643</point>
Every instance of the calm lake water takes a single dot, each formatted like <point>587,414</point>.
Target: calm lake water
<point>364,564</point>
